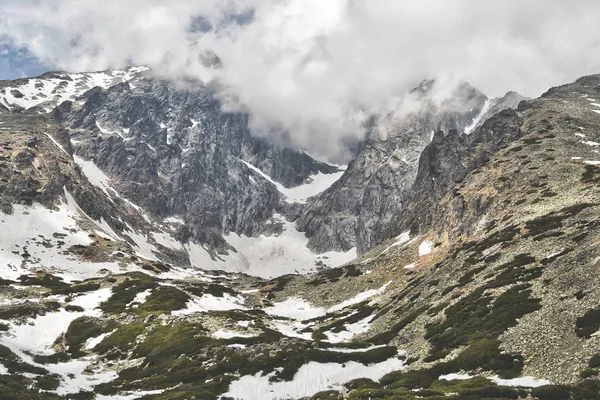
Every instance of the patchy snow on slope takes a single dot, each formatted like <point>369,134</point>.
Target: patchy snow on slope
<point>310,379</point>
<point>400,239</point>
<point>52,91</point>
<point>166,240</point>
<point>37,336</point>
<point>130,395</point>
<point>139,298</point>
<point>209,302</point>
<point>359,298</point>
<point>294,308</point>
<point>297,312</point>
<point>145,248</point>
<point>590,143</point>
<point>56,143</point>
<point>291,328</point>
<point>94,174</point>
<point>300,309</point>
<point>299,194</point>
<point>362,350</point>
<point>523,381</point>
<point>346,335</point>
<point>477,119</point>
<point>36,237</point>
<point>174,220</point>
<point>223,334</point>
<point>425,248</point>
<point>268,256</point>
<point>94,341</point>
<point>455,377</point>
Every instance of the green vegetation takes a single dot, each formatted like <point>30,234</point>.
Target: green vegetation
<point>125,292</point>
<point>479,316</point>
<point>18,387</point>
<point>326,395</point>
<point>14,364</point>
<point>552,392</point>
<point>73,289</point>
<point>82,329</point>
<point>48,281</point>
<point>120,342</point>
<point>165,299</point>
<point>385,337</point>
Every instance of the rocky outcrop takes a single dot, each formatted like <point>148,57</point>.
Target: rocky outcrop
<point>173,151</point>
<point>353,212</point>
<point>444,163</point>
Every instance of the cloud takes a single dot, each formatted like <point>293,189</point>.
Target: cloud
<point>318,68</point>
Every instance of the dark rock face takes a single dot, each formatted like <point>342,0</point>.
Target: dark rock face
<point>445,162</point>
<point>173,151</point>
<point>353,211</point>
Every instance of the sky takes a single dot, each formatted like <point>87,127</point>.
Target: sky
<point>313,68</point>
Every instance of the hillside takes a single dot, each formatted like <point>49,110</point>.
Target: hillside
<point>482,283</point>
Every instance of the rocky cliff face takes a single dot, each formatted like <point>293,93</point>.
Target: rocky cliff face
<point>354,212</point>
<point>174,152</point>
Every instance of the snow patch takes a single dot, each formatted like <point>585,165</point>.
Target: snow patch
<point>299,194</point>
<point>484,110</point>
<point>268,256</point>
<point>209,302</point>
<point>400,239</point>
<point>425,248</point>
<point>223,334</point>
<point>311,378</point>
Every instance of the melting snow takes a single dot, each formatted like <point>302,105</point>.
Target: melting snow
<point>401,239</point>
<point>268,256</point>
<point>590,143</point>
<point>350,330</point>
<point>525,381</point>
<point>295,308</point>
<point>53,91</point>
<point>223,334</point>
<point>300,310</point>
<point>311,378</point>
<point>209,302</point>
<point>484,109</point>
<point>34,228</point>
<point>425,248</point>
<point>130,395</point>
<point>166,240</point>
<point>38,336</point>
<point>299,194</point>
<point>94,174</point>
<point>140,298</point>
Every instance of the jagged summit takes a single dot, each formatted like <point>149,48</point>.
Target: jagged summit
<point>52,88</point>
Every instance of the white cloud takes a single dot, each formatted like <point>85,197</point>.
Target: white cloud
<point>316,67</point>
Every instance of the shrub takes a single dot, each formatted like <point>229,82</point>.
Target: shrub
<point>551,392</point>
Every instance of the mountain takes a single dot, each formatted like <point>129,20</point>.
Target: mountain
<point>355,210</point>
<point>181,161</point>
<point>481,282</point>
